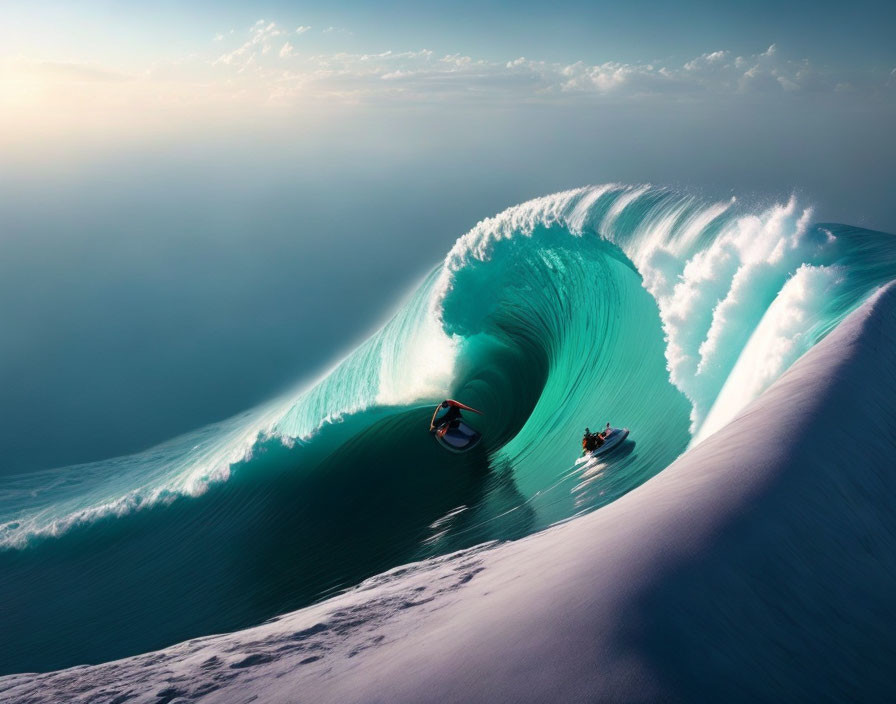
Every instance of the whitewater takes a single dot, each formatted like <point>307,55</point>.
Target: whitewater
<point>643,306</point>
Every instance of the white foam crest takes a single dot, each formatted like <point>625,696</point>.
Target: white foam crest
<point>212,464</point>
<point>178,474</point>
<point>17,532</point>
<point>519,220</point>
<point>185,466</point>
<point>766,250</point>
<point>582,210</point>
<point>784,333</point>
<point>697,223</point>
<point>710,299</point>
<point>655,231</point>
<point>607,226</point>
<point>308,411</point>
<point>570,209</point>
<point>419,365</point>
<point>722,292</point>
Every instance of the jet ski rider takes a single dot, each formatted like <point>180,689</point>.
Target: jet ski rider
<point>592,441</point>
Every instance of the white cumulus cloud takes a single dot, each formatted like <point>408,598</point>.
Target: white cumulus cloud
<point>261,35</point>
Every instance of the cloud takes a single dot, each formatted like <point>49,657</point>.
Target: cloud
<point>301,29</point>
<point>711,72</point>
<point>706,62</point>
<point>253,73</point>
<point>261,35</point>
<point>422,75</point>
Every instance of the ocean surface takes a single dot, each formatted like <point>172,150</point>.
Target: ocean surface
<point>650,309</point>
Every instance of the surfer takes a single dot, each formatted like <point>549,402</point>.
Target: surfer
<point>450,418</point>
<point>452,415</point>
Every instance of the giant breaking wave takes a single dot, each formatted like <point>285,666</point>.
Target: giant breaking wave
<point>637,305</point>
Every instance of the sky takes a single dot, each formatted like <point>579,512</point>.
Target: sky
<point>124,66</point>
<point>594,31</point>
<point>202,203</point>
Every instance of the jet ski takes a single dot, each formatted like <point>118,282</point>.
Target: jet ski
<point>451,430</point>
<point>614,437</point>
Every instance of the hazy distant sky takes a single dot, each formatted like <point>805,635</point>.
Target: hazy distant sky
<point>200,202</point>
<point>167,63</point>
<point>856,34</point>
<point>758,97</point>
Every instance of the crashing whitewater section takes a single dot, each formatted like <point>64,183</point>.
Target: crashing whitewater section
<point>759,565</point>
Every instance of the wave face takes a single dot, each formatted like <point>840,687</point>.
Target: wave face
<point>634,305</point>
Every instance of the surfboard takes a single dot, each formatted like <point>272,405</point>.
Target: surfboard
<point>459,438</point>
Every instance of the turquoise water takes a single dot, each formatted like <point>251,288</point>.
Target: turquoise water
<point>638,306</point>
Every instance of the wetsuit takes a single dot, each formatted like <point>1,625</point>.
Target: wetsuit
<point>451,416</point>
